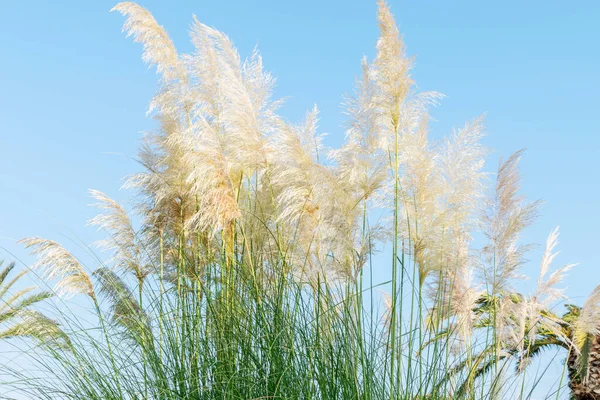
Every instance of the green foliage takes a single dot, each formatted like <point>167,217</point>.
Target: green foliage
<point>250,275</point>
<point>17,316</point>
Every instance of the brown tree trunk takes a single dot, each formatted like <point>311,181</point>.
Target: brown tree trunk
<point>589,390</point>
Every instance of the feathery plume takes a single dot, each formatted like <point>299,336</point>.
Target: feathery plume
<point>387,303</point>
<point>166,201</point>
<point>126,311</point>
<point>506,216</point>
<point>296,165</point>
<point>210,179</point>
<point>460,161</point>
<point>234,97</point>
<point>298,179</point>
<point>204,66</point>
<point>390,69</point>
<point>360,163</point>
<point>248,113</point>
<point>421,188</point>
<point>454,292</point>
<point>123,241</point>
<point>546,292</point>
<point>56,262</point>
<point>532,313</point>
<point>158,47</point>
<point>312,204</point>
<point>462,158</point>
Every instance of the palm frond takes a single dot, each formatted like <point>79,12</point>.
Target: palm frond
<point>5,271</point>
<point>36,325</point>
<point>19,301</point>
<point>5,288</point>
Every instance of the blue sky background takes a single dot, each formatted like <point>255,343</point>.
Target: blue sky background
<point>74,91</point>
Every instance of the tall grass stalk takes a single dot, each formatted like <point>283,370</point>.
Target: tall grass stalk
<point>253,271</point>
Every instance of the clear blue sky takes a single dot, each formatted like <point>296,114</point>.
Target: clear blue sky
<point>73,95</point>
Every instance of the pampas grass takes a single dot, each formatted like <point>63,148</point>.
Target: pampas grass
<point>250,272</point>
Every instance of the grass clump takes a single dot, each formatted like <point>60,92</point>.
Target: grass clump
<point>251,273</point>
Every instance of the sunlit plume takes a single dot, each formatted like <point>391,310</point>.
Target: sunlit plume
<point>57,263</point>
